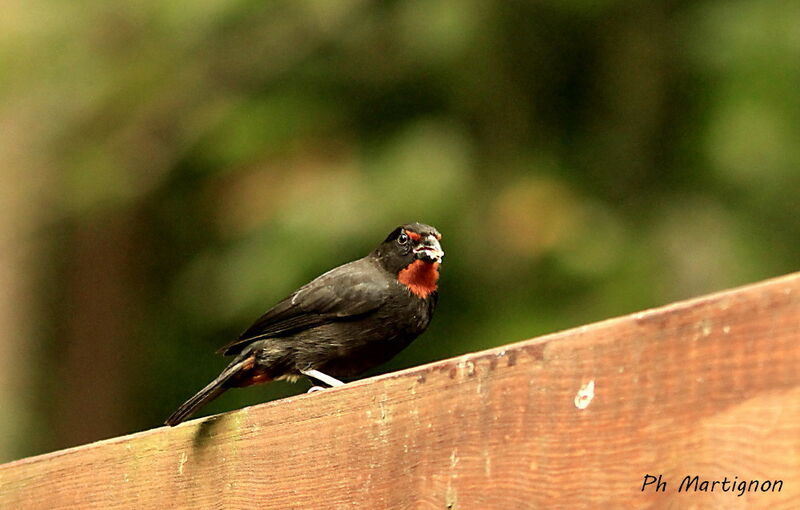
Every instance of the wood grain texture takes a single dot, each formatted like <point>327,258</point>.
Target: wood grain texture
<point>707,387</point>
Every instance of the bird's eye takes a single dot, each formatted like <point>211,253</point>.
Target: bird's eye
<point>402,238</point>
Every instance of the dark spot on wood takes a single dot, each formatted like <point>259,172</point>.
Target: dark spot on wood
<point>536,351</point>
<point>512,358</point>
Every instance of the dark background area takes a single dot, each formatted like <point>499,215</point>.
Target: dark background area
<point>172,169</point>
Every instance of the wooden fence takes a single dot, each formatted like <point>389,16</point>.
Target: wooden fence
<point>708,388</point>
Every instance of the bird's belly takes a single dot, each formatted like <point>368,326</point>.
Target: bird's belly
<point>347,349</point>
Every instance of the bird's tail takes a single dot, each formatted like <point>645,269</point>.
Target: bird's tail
<point>214,389</point>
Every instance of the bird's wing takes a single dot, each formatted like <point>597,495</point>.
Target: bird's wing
<point>347,291</point>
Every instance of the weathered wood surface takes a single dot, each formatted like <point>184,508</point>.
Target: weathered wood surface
<point>707,387</point>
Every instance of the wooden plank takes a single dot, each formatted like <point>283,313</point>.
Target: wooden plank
<point>707,387</point>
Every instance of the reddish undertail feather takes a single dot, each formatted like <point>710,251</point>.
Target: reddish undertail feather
<point>420,277</point>
<point>240,373</point>
<point>250,374</point>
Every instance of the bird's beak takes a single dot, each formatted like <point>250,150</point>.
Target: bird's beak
<point>429,249</point>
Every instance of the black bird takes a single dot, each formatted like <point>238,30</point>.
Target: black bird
<point>350,319</point>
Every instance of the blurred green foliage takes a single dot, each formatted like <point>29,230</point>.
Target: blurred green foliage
<point>582,159</point>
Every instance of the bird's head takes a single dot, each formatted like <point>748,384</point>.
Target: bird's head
<point>413,252</point>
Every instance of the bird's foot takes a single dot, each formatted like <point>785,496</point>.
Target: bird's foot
<point>314,389</point>
<point>317,376</point>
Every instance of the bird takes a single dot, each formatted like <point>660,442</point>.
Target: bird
<point>344,322</point>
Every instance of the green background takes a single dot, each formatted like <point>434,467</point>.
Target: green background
<point>172,169</point>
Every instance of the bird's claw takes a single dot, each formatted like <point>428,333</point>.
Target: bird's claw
<point>315,389</point>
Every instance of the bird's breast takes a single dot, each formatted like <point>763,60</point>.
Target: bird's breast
<point>420,278</point>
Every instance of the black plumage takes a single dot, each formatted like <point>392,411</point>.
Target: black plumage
<point>342,323</point>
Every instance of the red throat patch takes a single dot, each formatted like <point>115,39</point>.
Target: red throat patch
<point>420,277</point>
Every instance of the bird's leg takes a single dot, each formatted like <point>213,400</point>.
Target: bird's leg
<point>316,375</point>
